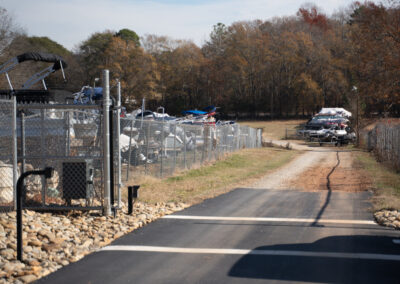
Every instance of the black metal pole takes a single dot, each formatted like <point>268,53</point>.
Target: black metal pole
<point>23,141</point>
<point>19,215</point>
<point>130,205</point>
<point>47,172</point>
<point>132,194</point>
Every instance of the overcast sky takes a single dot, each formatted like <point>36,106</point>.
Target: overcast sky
<point>69,22</point>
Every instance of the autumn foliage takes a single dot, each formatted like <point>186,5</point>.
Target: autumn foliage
<point>313,17</point>
<point>285,66</point>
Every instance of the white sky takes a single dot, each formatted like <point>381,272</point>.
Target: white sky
<point>69,22</point>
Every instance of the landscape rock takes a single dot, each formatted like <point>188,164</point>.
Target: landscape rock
<point>389,218</point>
<point>28,278</point>
<point>52,241</point>
<point>6,183</point>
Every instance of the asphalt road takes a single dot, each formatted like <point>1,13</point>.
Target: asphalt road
<point>288,236</point>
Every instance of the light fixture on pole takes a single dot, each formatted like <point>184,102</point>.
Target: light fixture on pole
<point>95,81</point>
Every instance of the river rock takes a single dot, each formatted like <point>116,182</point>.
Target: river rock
<point>28,278</point>
<point>7,253</point>
<point>13,267</point>
<point>6,183</point>
<point>54,240</point>
<point>35,242</point>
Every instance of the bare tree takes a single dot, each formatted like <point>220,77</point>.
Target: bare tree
<point>8,29</point>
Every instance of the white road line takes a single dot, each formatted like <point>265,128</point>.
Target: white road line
<point>267,219</point>
<point>371,256</point>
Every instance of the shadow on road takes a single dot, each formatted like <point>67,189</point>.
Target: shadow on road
<point>324,269</point>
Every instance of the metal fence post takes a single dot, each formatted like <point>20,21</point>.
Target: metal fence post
<point>173,168</point>
<point>237,137</point>
<point>184,146</point>
<point>147,137</point>
<point>68,142</point>
<point>106,142</point>
<point>23,152</point>
<point>210,145</point>
<point>118,130</point>
<point>204,145</point>
<point>42,153</point>
<point>194,148</point>
<point>162,148</point>
<point>14,149</point>
<point>112,157</point>
<point>217,144</point>
<point>129,151</point>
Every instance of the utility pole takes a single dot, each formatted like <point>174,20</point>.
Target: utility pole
<point>357,115</point>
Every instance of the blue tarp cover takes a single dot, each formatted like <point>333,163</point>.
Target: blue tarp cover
<point>194,112</point>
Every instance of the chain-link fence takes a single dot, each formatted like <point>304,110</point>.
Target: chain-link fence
<point>70,141</point>
<point>159,148</point>
<point>295,134</point>
<point>384,140</point>
<point>7,155</point>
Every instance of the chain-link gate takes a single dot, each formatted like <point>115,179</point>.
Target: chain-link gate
<point>8,165</point>
<point>70,141</point>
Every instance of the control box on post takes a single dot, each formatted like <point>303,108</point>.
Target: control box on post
<point>77,179</point>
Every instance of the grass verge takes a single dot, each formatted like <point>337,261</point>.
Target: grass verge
<point>196,185</point>
<point>386,182</point>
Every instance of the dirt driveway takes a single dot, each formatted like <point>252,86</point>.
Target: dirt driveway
<point>319,168</point>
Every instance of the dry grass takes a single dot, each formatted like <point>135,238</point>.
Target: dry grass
<point>386,182</point>
<point>235,170</point>
<point>275,129</point>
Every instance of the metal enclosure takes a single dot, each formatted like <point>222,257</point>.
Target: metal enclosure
<point>77,179</point>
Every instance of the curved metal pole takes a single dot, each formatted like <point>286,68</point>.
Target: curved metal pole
<point>48,173</point>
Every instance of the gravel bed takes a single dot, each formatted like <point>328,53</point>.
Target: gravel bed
<point>389,218</point>
<point>51,241</point>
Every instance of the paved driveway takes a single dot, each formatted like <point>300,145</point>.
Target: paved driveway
<point>251,235</point>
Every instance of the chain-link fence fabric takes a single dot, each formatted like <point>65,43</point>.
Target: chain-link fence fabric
<point>70,141</point>
<point>7,164</point>
<point>159,149</point>
<point>384,140</point>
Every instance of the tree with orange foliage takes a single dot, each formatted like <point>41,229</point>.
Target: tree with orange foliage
<point>135,69</point>
<point>312,15</point>
<point>375,36</point>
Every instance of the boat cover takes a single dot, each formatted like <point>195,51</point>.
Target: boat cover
<point>335,111</point>
<point>194,112</point>
<point>44,57</point>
